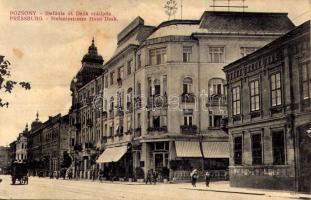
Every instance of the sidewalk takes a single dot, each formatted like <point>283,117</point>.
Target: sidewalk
<point>225,187</point>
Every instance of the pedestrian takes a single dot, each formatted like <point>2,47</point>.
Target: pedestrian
<point>155,176</point>
<point>149,176</point>
<point>194,177</point>
<point>207,178</point>
<point>93,175</point>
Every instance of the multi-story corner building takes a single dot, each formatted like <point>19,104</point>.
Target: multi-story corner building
<point>21,146</point>
<point>164,90</point>
<point>86,113</point>
<point>54,142</point>
<point>269,107</point>
<point>5,161</point>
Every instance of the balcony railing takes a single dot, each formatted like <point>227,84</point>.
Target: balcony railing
<point>157,129</point>
<point>188,129</point>
<point>187,98</point>
<point>217,100</point>
<point>137,102</point>
<point>157,101</point>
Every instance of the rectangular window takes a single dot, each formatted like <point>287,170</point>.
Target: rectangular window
<point>238,150</point>
<point>254,95</point>
<point>256,149</point>
<point>276,91</point>
<point>138,61</point>
<point>106,81</point>
<point>236,101</point>
<point>111,78</point>
<point>306,80</point>
<point>216,54</point>
<point>121,73</point>
<point>278,148</point>
<point>157,56</point>
<point>129,67</point>
<point>187,53</point>
<point>247,50</point>
<point>188,119</point>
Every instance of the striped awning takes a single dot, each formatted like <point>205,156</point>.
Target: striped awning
<point>112,154</point>
<point>187,149</point>
<point>216,149</point>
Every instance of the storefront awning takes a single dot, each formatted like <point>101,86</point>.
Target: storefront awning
<point>112,154</point>
<point>188,149</point>
<point>216,149</point>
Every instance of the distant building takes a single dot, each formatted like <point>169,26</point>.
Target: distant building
<point>21,146</point>
<point>269,108</point>
<point>4,160</point>
<point>54,141</point>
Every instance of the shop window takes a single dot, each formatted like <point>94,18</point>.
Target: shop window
<point>278,148</point>
<point>238,151</point>
<point>256,149</point>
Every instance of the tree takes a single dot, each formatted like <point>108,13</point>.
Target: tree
<point>6,83</point>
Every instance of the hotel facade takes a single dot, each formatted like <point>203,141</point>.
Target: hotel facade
<point>163,95</point>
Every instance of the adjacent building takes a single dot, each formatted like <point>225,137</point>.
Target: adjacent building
<point>86,114</point>
<point>4,160</point>
<point>269,108</point>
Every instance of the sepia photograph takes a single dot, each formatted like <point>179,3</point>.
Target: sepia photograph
<point>162,99</point>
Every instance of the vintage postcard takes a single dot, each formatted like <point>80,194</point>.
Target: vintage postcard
<point>163,99</point>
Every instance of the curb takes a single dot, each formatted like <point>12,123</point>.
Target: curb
<point>225,191</point>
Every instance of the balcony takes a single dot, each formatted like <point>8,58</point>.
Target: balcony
<point>137,102</point>
<point>128,132</point>
<point>120,112</point>
<point>157,129</point>
<point>187,98</point>
<point>217,100</point>
<point>157,101</point>
<point>188,129</point>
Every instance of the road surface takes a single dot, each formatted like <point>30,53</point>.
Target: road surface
<point>45,188</point>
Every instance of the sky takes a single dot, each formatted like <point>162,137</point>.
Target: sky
<point>48,53</point>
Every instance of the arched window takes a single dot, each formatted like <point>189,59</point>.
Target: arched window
<point>157,87</point>
<point>187,85</point>
<point>216,87</point>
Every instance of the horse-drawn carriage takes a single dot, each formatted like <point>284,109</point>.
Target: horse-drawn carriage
<point>19,172</point>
